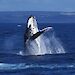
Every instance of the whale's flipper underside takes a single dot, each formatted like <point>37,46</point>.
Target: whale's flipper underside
<point>39,33</point>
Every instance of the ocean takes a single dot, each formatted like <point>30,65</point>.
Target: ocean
<point>12,41</point>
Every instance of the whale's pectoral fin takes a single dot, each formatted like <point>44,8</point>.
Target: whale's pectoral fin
<point>36,35</point>
<point>40,32</point>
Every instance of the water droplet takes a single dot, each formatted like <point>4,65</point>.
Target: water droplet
<point>19,25</point>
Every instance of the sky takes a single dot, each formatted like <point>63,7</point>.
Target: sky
<point>37,5</point>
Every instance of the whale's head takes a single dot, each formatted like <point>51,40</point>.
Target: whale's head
<point>32,25</point>
<point>32,21</point>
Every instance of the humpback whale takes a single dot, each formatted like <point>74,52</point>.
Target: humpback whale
<point>32,33</point>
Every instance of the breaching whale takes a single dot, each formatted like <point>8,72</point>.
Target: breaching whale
<point>32,33</point>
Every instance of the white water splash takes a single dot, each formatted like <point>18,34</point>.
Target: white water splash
<point>53,44</point>
<point>49,44</point>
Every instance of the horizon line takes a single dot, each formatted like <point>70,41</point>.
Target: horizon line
<point>37,11</point>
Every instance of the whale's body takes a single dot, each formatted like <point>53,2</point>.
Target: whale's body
<point>32,35</point>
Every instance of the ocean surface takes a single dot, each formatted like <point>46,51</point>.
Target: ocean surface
<point>12,41</point>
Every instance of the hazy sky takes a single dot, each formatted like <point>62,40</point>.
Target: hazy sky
<point>37,5</point>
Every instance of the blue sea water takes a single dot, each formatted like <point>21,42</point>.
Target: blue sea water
<point>12,41</point>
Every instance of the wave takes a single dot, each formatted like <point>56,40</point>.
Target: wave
<point>21,66</point>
